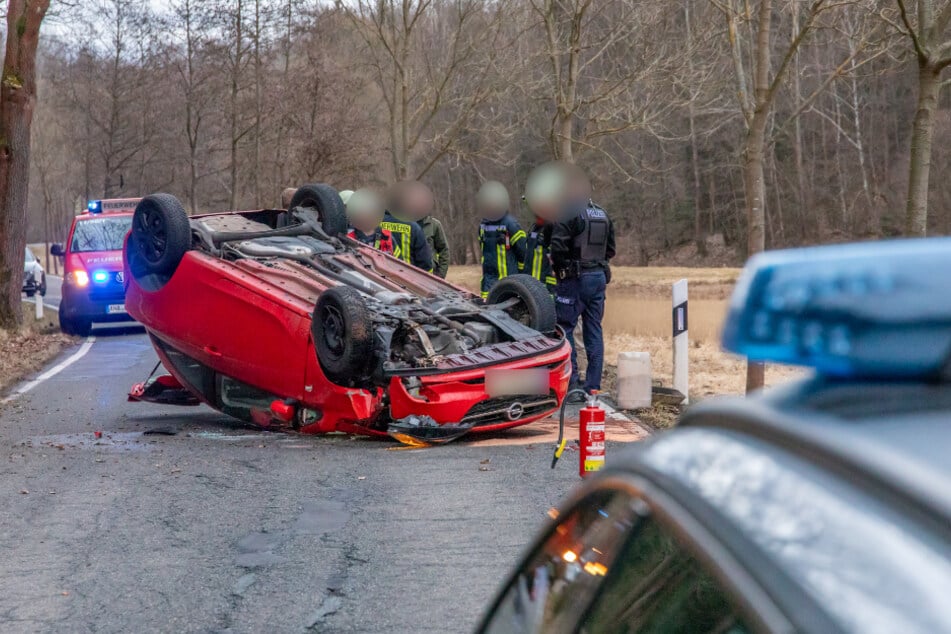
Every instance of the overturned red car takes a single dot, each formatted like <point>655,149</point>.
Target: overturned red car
<point>277,318</point>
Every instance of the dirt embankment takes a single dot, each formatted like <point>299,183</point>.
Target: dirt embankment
<point>29,349</point>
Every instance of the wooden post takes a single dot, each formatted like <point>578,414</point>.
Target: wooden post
<point>681,361</point>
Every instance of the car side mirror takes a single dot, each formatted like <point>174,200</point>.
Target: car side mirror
<point>57,250</point>
<point>552,588</point>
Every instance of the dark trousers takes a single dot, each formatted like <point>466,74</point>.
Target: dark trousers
<point>488,281</point>
<point>583,297</point>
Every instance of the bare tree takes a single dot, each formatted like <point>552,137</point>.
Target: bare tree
<point>189,20</point>
<point>17,101</point>
<point>225,111</point>
<point>428,57</point>
<point>757,91</point>
<point>928,32</point>
<point>600,55</point>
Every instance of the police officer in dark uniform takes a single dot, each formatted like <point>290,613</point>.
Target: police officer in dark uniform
<point>410,241</point>
<point>500,236</point>
<point>581,249</point>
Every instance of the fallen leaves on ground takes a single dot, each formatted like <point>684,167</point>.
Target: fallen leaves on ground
<point>28,350</point>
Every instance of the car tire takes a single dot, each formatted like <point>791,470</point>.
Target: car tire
<point>326,205</point>
<point>74,327</point>
<point>343,334</point>
<point>82,327</point>
<point>536,308</point>
<point>160,235</point>
<point>30,293</point>
<point>43,285</point>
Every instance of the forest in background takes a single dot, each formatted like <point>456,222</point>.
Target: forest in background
<point>226,102</point>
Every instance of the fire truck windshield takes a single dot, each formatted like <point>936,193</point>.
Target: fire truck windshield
<point>100,234</point>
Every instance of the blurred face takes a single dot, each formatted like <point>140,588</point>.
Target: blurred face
<point>545,192</point>
<point>492,201</point>
<point>578,186</point>
<point>365,211</point>
<point>557,191</point>
<point>418,201</point>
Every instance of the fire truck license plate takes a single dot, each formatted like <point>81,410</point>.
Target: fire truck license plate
<point>114,309</point>
<point>516,382</point>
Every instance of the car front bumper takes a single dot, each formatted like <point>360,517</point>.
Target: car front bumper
<point>461,397</point>
<point>97,305</point>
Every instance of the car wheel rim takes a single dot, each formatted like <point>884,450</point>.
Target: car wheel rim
<point>334,330</point>
<point>151,236</point>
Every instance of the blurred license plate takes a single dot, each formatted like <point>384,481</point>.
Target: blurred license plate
<point>513,382</point>
<point>113,309</point>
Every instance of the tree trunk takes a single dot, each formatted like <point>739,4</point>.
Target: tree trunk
<point>754,182</point>
<point>235,89</point>
<point>258,79</point>
<point>802,202</point>
<point>698,236</point>
<point>754,179</point>
<point>17,100</point>
<point>916,214</point>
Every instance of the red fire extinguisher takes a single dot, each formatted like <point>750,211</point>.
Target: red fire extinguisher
<point>591,435</point>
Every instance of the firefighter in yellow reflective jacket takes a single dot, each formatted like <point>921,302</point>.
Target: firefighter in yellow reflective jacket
<point>408,237</point>
<point>500,236</point>
<point>537,263</point>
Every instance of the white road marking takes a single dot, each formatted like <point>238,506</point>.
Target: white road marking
<point>56,369</point>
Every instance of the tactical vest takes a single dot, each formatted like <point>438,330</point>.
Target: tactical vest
<point>591,244</point>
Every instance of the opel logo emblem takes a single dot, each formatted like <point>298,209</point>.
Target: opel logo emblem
<point>120,277</point>
<point>515,411</point>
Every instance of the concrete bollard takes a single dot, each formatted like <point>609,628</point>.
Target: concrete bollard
<point>38,300</point>
<point>634,383</point>
<point>681,344</point>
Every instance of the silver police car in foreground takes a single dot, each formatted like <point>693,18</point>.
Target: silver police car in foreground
<point>822,506</point>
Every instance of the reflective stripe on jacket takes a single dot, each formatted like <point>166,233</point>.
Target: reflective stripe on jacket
<point>503,248</point>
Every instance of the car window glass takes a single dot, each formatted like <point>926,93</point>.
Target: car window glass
<point>868,565</point>
<point>29,256</point>
<point>657,587</point>
<point>552,591</point>
<point>100,234</point>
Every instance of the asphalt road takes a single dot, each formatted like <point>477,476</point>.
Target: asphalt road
<point>222,528</point>
<point>54,291</point>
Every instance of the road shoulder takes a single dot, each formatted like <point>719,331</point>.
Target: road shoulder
<point>31,349</point>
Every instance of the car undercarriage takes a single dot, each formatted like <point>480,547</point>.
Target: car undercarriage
<point>369,326</point>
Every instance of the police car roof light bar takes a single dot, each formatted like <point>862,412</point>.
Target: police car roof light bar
<point>867,310</point>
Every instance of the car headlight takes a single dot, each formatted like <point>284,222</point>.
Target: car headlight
<point>78,277</point>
